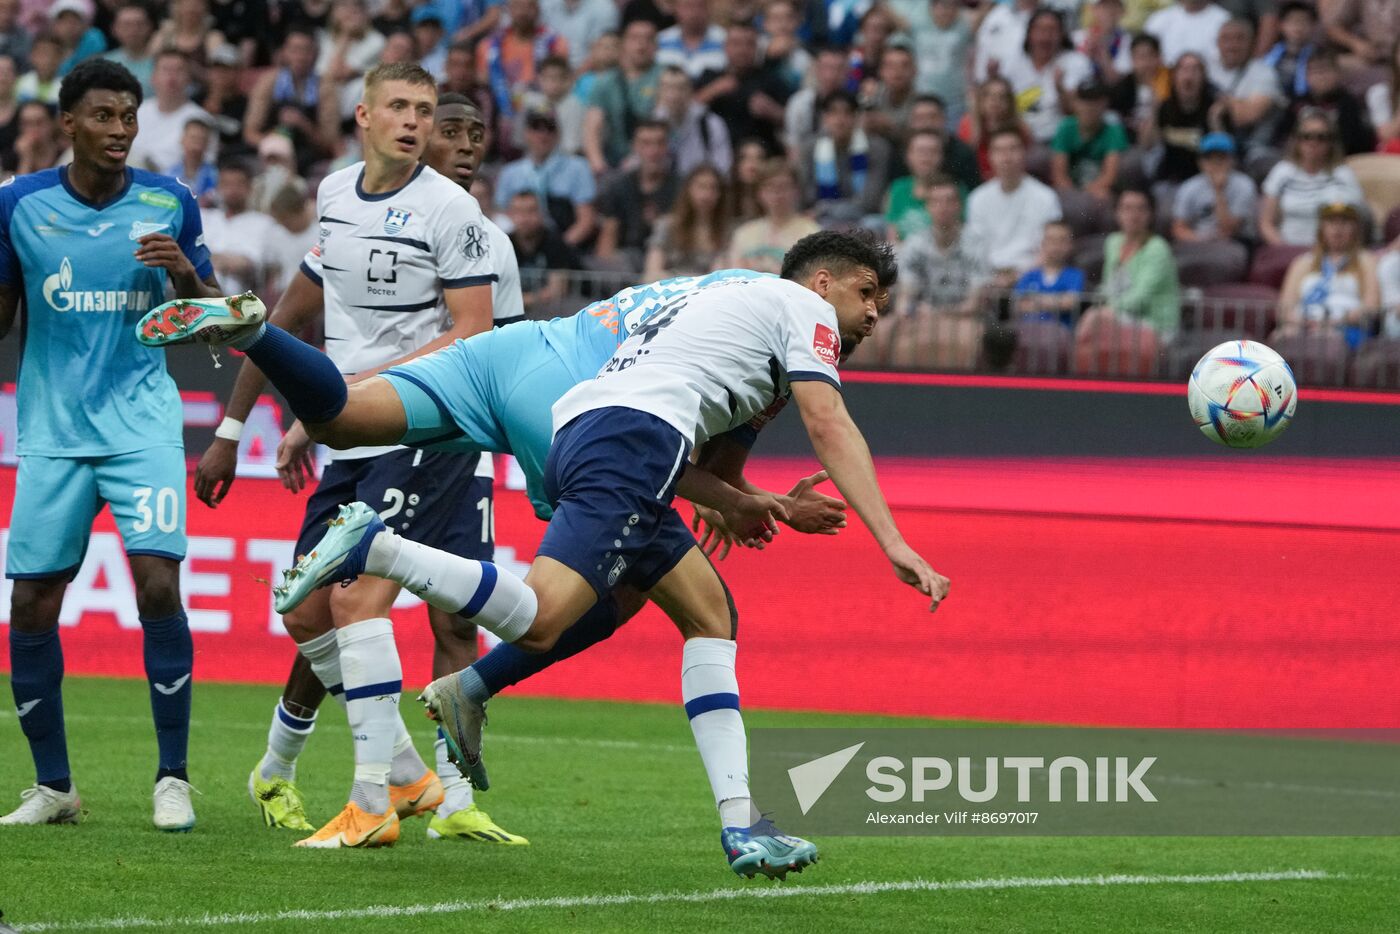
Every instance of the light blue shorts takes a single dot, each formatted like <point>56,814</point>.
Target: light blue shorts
<point>57,499</point>
<point>490,392</point>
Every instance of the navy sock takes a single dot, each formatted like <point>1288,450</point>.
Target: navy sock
<point>313,387</point>
<point>506,665</point>
<point>169,655</point>
<point>36,679</point>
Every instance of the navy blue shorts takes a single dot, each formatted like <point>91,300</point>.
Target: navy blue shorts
<point>611,476</point>
<point>430,497</point>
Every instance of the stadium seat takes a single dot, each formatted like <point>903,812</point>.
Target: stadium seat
<point>1392,226</point>
<point>1085,214</point>
<point>1316,357</point>
<point>1042,348</point>
<point>1271,264</point>
<point>1088,256</point>
<point>1379,174</point>
<point>1377,365</point>
<point>1238,309</point>
<point>1188,347</point>
<point>1200,265</point>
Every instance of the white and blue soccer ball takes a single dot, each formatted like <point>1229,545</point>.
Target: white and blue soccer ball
<point>1242,394</point>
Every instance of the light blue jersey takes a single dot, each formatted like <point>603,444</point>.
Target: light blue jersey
<point>86,389</point>
<point>588,339</point>
<point>494,391</point>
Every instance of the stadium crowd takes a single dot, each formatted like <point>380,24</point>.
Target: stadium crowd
<point>1105,187</point>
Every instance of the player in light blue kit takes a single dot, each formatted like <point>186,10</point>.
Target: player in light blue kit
<point>87,250</point>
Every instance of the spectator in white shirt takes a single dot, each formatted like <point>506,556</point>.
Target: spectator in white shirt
<point>802,115</point>
<point>1250,98</point>
<point>1188,26</point>
<point>240,240</point>
<point>579,23</point>
<point>1043,73</point>
<point>1008,214</point>
<point>163,117</point>
<point>1000,37</point>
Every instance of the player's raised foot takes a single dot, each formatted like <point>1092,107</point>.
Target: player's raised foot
<point>473,825</point>
<point>208,320</point>
<point>279,801</point>
<point>173,811</point>
<point>421,797</point>
<point>355,827</point>
<point>40,804</point>
<point>338,557</point>
<point>764,849</point>
<point>461,719</point>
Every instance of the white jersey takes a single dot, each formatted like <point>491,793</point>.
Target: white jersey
<point>384,260</point>
<point>714,358</point>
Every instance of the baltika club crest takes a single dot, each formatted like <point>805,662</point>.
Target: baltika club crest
<point>395,221</point>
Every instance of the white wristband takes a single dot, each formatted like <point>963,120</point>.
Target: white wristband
<point>230,429</point>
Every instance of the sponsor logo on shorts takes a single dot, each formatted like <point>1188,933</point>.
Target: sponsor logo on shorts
<point>616,572</point>
<point>827,344</point>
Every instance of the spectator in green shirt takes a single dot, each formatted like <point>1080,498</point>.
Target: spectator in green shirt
<point>1086,147</point>
<point>621,98</point>
<point>906,212</point>
<point>1141,306</point>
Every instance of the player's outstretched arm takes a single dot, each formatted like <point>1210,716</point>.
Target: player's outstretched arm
<point>809,510</point>
<point>843,452</point>
<point>750,516</point>
<point>297,308</point>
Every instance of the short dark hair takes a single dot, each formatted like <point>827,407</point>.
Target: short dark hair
<point>840,96</point>
<point>944,181</point>
<point>96,74</point>
<point>930,99</point>
<point>452,97</point>
<point>1146,197</point>
<point>170,52</point>
<point>650,125</point>
<point>1297,6</point>
<point>829,49</point>
<point>47,38</point>
<point>1146,38</point>
<point>526,193</point>
<point>1005,131</point>
<point>236,163</point>
<point>554,61</point>
<point>842,252</point>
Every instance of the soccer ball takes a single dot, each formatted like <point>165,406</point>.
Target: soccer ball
<point>1242,394</point>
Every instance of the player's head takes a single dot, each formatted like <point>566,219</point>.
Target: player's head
<point>97,105</point>
<point>396,112</point>
<point>844,267</point>
<point>458,141</point>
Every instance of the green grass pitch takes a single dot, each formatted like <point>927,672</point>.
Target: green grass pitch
<point>623,835</point>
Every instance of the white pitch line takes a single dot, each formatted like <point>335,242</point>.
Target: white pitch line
<point>664,898</point>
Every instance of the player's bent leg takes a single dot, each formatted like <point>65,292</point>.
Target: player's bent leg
<point>36,680</point>
<point>372,415</point>
<point>692,594</point>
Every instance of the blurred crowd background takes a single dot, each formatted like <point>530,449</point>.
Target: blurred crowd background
<point>1103,188</point>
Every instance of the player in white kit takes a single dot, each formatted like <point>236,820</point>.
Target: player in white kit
<point>455,149</point>
<point>711,360</point>
<point>402,266</point>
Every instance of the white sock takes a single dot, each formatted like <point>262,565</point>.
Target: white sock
<point>457,790</point>
<point>710,690</point>
<point>407,766</point>
<point>495,600</point>
<point>323,654</point>
<point>285,740</point>
<point>373,679</point>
